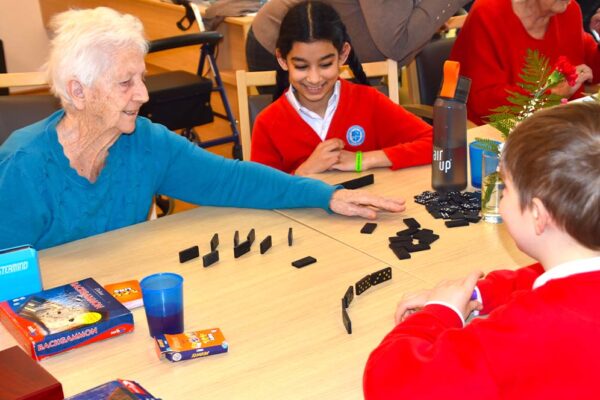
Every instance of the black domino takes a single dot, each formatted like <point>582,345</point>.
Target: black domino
<point>348,297</point>
<point>303,262</point>
<point>266,244</point>
<point>346,320</point>
<point>400,252</point>
<point>455,223</point>
<point>251,236</point>
<point>241,249</point>
<point>189,254</point>
<point>214,242</point>
<point>381,276</point>
<point>368,228</point>
<point>407,232</point>
<point>358,182</point>
<point>210,258</point>
<point>363,285</point>
<point>290,237</point>
<point>236,238</point>
<point>411,223</point>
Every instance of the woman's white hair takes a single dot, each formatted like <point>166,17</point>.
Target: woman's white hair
<point>84,43</point>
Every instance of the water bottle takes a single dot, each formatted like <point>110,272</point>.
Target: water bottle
<point>449,165</point>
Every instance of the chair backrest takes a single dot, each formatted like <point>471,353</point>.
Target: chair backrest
<point>250,105</point>
<point>425,72</point>
<point>20,110</point>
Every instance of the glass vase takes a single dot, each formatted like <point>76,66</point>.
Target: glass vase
<point>491,188</point>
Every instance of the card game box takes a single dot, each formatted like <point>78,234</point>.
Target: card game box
<point>65,317</point>
<point>119,389</point>
<point>129,293</point>
<point>188,345</point>
<point>19,272</point>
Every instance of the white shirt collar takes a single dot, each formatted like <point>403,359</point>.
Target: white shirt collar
<point>314,120</point>
<point>567,269</point>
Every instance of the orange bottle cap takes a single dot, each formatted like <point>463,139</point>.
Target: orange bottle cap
<point>451,75</point>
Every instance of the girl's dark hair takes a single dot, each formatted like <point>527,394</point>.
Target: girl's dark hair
<point>308,22</point>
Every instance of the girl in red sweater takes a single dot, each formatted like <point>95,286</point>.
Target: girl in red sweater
<point>323,123</point>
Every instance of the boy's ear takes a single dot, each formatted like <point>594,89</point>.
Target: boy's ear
<point>345,53</point>
<point>75,90</point>
<point>282,62</point>
<point>541,217</point>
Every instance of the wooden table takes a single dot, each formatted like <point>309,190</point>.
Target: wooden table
<point>283,325</point>
<point>458,251</point>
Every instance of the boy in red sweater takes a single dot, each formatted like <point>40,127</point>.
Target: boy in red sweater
<point>321,122</point>
<point>540,340</point>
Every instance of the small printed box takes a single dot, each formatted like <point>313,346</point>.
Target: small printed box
<point>19,272</point>
<point>65,317</point>
<point>185,346</point>
<point>129,293</point>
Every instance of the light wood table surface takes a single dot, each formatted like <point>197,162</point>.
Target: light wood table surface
<point>457,252</point>
<point>283,325</point>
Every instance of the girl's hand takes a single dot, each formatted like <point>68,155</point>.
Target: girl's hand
<point>370,159</point>
<point>325,155</point>
<point>362,203</point>
<point>584,73</point>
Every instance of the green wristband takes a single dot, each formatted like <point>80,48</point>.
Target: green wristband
<point>358,161</point>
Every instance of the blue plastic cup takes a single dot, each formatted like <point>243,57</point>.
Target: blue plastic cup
<point>475,156</point>
<point>163,302</point>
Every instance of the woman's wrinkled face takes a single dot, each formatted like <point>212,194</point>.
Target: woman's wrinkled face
<point>114,100</point>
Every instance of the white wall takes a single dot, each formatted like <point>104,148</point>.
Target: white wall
<point>24,36</point>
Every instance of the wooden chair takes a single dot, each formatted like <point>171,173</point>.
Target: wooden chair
<point>19,110</point>
<point>251,104</point>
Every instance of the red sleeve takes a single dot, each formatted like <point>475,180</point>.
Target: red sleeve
<point>263,149</point>
<point>404,138</point>
<point>499,286</point>
<point>424,358</point>
<point>479,49</point>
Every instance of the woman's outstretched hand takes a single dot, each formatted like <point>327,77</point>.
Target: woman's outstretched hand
<point>363,204</point>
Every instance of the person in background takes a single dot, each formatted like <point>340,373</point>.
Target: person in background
<point>380,29</point>
<point>494,40</point>
<point>539,340</point>
<point>589,8</point>
<point>95,165</point>
<point>323,122</point>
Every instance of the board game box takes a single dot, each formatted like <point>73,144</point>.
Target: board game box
<point>65,317</point>
<point>188,345</point>
<point>119,389</point>
<point>19,272</point>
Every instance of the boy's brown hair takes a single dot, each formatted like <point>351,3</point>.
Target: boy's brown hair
<point>554,155</point>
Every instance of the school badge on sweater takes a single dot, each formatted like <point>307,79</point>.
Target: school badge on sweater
<point>355,135</point>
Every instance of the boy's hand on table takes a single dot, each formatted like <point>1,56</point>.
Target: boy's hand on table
<point>363,204</point>
<point>456,293</point>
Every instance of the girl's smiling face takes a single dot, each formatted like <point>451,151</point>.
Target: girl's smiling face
<point>313,71</point>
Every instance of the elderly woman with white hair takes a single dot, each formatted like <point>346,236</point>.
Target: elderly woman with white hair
<point>95,165</point>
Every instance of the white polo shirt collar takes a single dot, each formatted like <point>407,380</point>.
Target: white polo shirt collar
<point>567,269</point>
<point>314,120</point>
